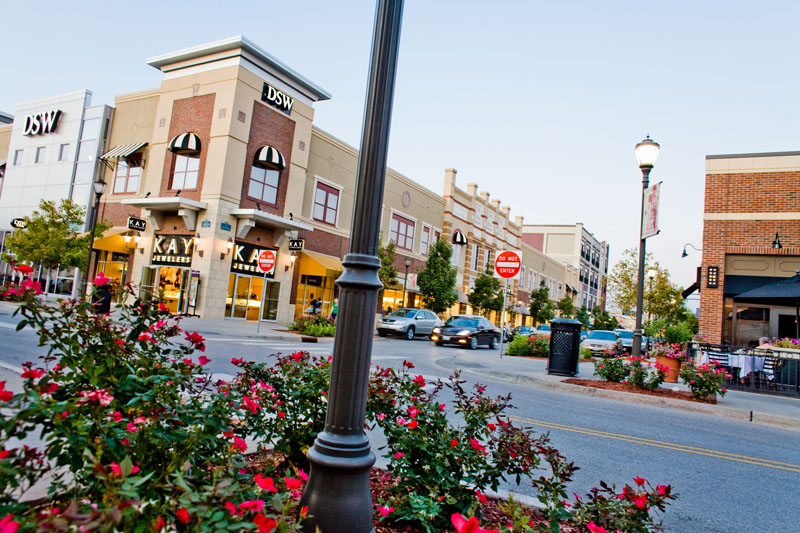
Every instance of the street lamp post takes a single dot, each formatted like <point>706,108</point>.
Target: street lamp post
<point>338,493</point>
<point>405,280</point>
<point>650,275</point>
<point>646,155</point>
<point>99,188</point>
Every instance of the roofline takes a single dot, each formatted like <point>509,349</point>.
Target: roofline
<point>6,118</point>
<point>763,154</point>
<point>314,91</point>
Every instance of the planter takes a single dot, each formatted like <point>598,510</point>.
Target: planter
<point>673,368</point>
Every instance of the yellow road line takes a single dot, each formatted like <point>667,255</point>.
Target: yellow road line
<point>666,445</point>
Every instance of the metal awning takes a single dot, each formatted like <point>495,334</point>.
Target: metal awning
<point>571,288</point>
<point>521,309</point>
<point>185,143</point>
<point>154,209</point>
<point>249,218</point>
<point>462,298</point>
<point>328,261</point>
<point>459,238</point>
<point>123,150</point>
<point>269,157</point>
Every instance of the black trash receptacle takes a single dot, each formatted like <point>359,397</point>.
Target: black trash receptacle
<point>565,344</point>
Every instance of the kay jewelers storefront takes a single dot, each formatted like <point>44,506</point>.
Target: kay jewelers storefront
<point>246,286</point>
<point>169,274</point>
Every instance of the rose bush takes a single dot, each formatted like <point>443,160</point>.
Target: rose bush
<point>705,380</point>
<point>532,346</point>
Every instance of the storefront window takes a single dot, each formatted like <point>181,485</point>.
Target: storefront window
<point>168,284</point>
<point>326,204</point>
<point>126,178</point>
<point>186,170</point>
<point>750,323</point>
<point>244,298</point>
<point>264,184</point>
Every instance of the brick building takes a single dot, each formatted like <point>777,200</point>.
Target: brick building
<point>751,237</point>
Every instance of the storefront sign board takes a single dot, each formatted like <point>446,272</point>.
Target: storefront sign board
<point>173,249</point>
<point>41,123</point>
<point>224,226</point>
<point>245,259</point>
<point>276,98</point>
<point>138,224</point>
<point>296,245</point>
<point>19,223</point>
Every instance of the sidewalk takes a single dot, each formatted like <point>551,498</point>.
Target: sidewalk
<point>774,410</point>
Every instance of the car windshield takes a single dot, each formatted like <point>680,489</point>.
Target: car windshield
<point>404,312</point>
<point>523,329</point>
<point>602,336</point>
<point>625,334</point>
<point>461,322</point>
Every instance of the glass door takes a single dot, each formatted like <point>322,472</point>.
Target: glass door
<point>254,304</point>
<point>241,297</point>
<point>148,283</point>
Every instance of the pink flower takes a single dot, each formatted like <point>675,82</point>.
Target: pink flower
<point>594,528</point>
<point>196,339</point>
<point>380,416</point>
<point>100,280</point>
<point>413,411</point>
<point>399,455</point>
<point>251,505</point>
<point>163,308</point>
<point>301,473</point>
<point>292,483</point>
<point>385,510</point>
<point>265,483</point>
<point>441,407</point>
<point>264,523</point>
<point>240,445</point>
<point>115,469</point>
<point>463,525</point>
<point>237,361</point>
<point>231,507</point>
<point>250,404</point>
<point>477,446</point>
<point>203,360</point>
<point>183,515</point>
<point>100,396</point>
<point>662,490</point>
<point>639,481</point>
<point>640,501</point>
<point>7,523</point>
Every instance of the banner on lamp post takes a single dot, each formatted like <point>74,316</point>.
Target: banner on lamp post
<point>650,216</point>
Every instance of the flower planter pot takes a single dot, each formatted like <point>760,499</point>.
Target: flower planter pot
<point>673,368</point>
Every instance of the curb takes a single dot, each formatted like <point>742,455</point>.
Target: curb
<point>668,403</point>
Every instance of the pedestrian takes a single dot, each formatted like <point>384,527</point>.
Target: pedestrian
<point>335,309</point>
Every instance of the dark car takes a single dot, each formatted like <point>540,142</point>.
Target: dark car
<point>407,322</point>
<point>523,331</point>
<point>467,330</point>
<point>603,342</point>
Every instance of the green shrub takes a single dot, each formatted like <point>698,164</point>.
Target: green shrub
<point>320,330</point>
<point>628,510</point>
<point>704,380</point>
<point>532,346</point>
<point>586,353</point>
<point>648,377</point>
<point>611,369</point>
<point>314,325</point>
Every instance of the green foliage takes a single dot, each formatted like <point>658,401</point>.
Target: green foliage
<point>647,377</point>
<point>603,320</point>
<point>50,237</point>
<point>541,307</point>
<point>387,273</point>
<point>670,333</point>
<point>534,346</point>
<point>487,294</point>
<point>704,380</point>
<point>628,510</point>
<point>582,315</point>
<point>611,369</point>
<point>314,326</point>
<point>566,307</point>
<point>437,279</point>
<point>586,353</point>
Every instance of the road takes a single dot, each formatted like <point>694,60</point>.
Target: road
<point>730,476</point>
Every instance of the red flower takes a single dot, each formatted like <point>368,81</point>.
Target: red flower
<point>231,507</point>
<point>25,269</point>
<point>281,414</point>
<point>160,524</point>
<point>116,469</point>
<point>33,373</point>
<point>100,280</point>
<point>477,446</point>
<point>662,490</point>
<point>454,443</point>
<point>251,505</point>
<point>239,444</point>
<point>265,483</point>
<point>250,404</point>
<point>203,360</point>
<point>292,483</point>
<point>265,524</point>
<point>385,510</point>
<point>639,480</point>
<point>297,356</point>
<point>419,380</point>
<point>304,511</point>
<point>594,528</point>
<point>408,364</point>
<point>640,501</point>
<point>237,361</point>
<point>463,525</point>
<point>4,453</point>
<point>412,424</point>
<point>481,496</point>
<point>183,515</point>
<point>163,308</point>
<point>491,427</point>
<point>5,395</point>
<point>196,339</point>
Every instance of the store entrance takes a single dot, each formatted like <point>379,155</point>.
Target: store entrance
<point>170,284</point>
<point>244,298</point>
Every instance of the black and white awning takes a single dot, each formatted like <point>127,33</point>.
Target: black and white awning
<point>269,157</point>
<point>459,238</point>
<point>185,143</point>
<point>123,150</point>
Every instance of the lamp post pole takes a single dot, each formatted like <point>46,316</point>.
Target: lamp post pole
<point>405,280</point>
<point>646,154</point>
<point>99,188</point>
<point>338,493</point>
<point>650,275</point>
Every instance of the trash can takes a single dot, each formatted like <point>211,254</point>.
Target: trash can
<point>565,344</point>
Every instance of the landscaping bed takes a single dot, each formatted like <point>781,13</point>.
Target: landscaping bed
<point>624,387</point>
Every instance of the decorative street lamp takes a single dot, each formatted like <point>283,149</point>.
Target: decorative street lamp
<point>405,280</point>
<point>338,493</point>
<point>650,275</point>
<point>646,155</point>
<point>99,188</point>
<point>685,254</point>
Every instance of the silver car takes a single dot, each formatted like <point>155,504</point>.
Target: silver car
<point>407,322</point>
<point>603,342</point>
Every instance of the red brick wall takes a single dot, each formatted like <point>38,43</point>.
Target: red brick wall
<point>277,130</point>
<point>189,115</point>
<point>756,192</point>
<point>534,240</point>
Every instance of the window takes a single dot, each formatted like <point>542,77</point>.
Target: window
<point>521,277</point>
<point>63,152</point>
<point>436,235</point>
<point>326,204</point>
<point>402,232</point>
<point>40,151</point>
<point>129,171</point>
<point>474,265</point>
<point>455,259</point>
<point>17,157</point>
<point>486,253</point>
<point>264,184</point>
<point>425,240</point>
<point>185,174</point>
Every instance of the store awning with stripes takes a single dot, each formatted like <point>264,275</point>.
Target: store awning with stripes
<point>185,143</point>
<point>269,157</point>
<point>123,150</point>
<point>459,238</point>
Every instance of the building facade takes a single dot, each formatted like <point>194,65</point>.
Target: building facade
<point>751,237</point>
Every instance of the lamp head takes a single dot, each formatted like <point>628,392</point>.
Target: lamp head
<point>408,262</point>
<point>99,187</point>
<point>777,242</point>
<point>647,153</point>
<point>684,254</point>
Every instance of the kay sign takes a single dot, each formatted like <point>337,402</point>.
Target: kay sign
<point>507,264</point>
<point>266,260</point>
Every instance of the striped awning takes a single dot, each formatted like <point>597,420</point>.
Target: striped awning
<point>123,150</point>
<point>269,157</point>
<point>459,238</point>
<point>185,143</point>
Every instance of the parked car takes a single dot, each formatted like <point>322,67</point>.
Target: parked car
<point>467,330</point>
<point>408,322</point>
<point>584,334</point>
<point>543,329</point>
<point>603,342</point>
<point>523,331</point>
<point>626,336</point>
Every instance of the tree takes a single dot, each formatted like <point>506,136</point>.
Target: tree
<point>582,315</point>
<point>437,279</point>
<point>487,294</point>
<point>50,237</point>
<point>387,273</point>
<point>623,277</point>
<point>603,320</point>
<point>541,307</point>
<point>565,306</point>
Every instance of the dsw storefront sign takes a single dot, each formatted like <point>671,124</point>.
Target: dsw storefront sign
<point>173,250</point>
<point>41,122</point>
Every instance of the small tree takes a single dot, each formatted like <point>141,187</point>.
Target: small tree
<point>623,277</point>
<point>487,295</point>
<point>437,279</point>
<point>565,307</point>
<point>541,307</point>
<point>582,315</point>
<point>603,320</point>
<point>387,273</point>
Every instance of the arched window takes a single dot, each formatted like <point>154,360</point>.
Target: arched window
<point>265,175</point>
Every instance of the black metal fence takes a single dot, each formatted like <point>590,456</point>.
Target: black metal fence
<point>752,369</point>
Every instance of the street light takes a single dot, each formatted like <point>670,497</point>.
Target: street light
<point>684,254</point>
<point>650,275</point>
<point>338,493</point>
<point>405,280</point>
<point>646,155</point>
<point>99,188</point>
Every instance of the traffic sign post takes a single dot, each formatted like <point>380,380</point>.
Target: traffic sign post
<point>266,262</point>
<point>507,264</point>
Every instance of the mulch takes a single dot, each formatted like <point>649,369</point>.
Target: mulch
<point>624,387</point>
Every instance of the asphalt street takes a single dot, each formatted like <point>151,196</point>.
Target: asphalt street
<point>729,475</point>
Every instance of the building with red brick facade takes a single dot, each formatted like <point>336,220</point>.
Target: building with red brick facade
<point>751,237</point>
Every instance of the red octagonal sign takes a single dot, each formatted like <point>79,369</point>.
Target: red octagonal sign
<point>266,260</point>
<point>507,264</point>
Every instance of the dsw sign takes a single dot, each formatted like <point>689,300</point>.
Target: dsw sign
<point>41,122</point>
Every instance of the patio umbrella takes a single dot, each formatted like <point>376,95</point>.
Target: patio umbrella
<point>785,292</point>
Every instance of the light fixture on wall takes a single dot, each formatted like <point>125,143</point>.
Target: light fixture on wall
<point>196,242</point>
<point>777,242</point>
<point>228,248</point>
<point>292,259</point>
<point>685,254</point>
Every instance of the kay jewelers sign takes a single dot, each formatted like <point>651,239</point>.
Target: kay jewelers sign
<point>244,259</point>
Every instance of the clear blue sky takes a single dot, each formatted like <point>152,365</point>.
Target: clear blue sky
<point>540,103</point>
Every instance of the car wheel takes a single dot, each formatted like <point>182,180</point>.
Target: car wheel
<point>439,343</point>
<point>473,343</point>
<point>381,333</point>
<point>410,333</point>
<point>493,343</point>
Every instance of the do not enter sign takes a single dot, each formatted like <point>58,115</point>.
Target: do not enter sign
<point>507,264</point>
<point>266,260</point>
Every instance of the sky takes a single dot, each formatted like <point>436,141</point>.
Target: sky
<point>540,103</point>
